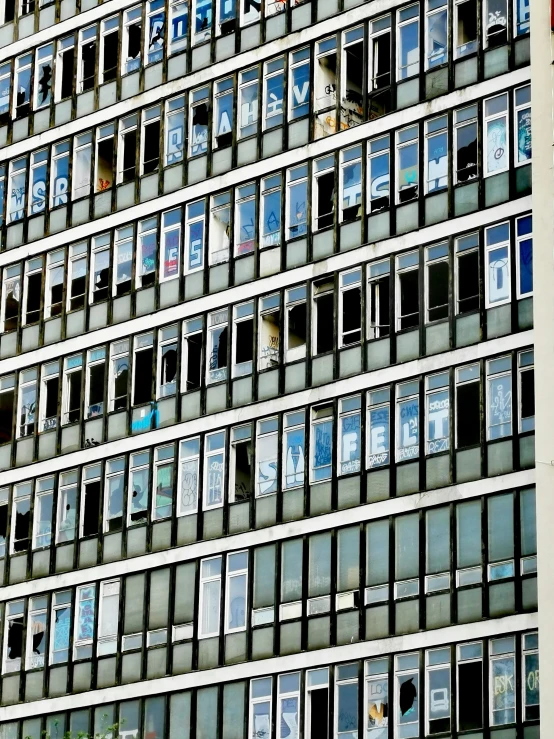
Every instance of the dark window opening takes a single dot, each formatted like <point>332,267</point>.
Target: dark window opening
<point>408,193</point>
<point>135,40</point>
<point>527,394</point>
<point>466,155</point>
<point>6,416</point>
<point>104,166</point>
<point>129,155</point>
<point>101,285</point>
<point>15,638</point>
<point>21,534</point>
<point>9,11</point>
<point>353,96</point>
<point>115,505</point>
<point>324,332</point>
<point>34,290</point>
<point>470,696</point>
<point>142,391</point>
<point>89,63</point>
<point>121,378</point>
<point>325,193</point>
<point>297,326</point>
<point>379,308</point>
<point>3,523</point>
<point>243,470</point>
<point>51,407</point>
<point>352,316</point>
<point>468,416</point>
<point>74,396</point>
<point>169,364</point>
<point>27,6</point>
<point>111,45</point>
<point>90,508</point>
<point>244,341</point>
<point>56,299</point>
<point>11,312</point>
<point>381,61</point>
<point>437,276</point>
<point>151,147</point>
<point>409,299</point>
<point>96,389</point>
<point>468,282</point>
<point>194,361</point>
<point>68,58</point>
<point>219,353</point>
<point>200,115</point>
<point>78,287</point>
<point>319,713</point>
<point>45,83</point>
<point>467,26</point>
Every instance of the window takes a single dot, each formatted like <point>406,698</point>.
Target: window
<point>378,300</point>
<point>42,524</point>
<point>37,184</point>
<point>71,400</point>
<point>127,149</point>
<point>21,517</point>
<point>150,140</point>
<point>59,176</point>
<point>468,406</point>
<point>269,327</point>
<point>13,636</point>
<point>85,606</point>
<point>132,34</point>
<point>502,681</point>
<point>346,698</point>
<point>100,268</point>
<point>321,443</point>
<point>123,260</point>
<point>142,368</point>
<point>523,16</point>
<point>317,703</point>
<point>376,696</point>
<point>407,174</point>
<point>324,193</point>
<point>407,695</point>
<point>86,59</point>
<point>104,163</point>
<point>108,618</point>
<point>189,476</point>
<point>167,361</point>
<point>526,374</point>
<point>378,428</point>
<point>352,78</point>
<point>288,705</point>
<point>248,102</point>
<point>223,117</point>
<point>5,84</point>
<point>295,324</point>
<point>147,252</point>
<point>524,256</point>
<point>294,446</point>
<point>44,61</point>
<point>194,236</point>
<point>2,192</point>
<point>297,198</point>
<point>249,12</point>
<point>82,159</point>
<point>436,33</point>
<point>350,307</point>
<point>7,397</point>
<point>236,606</point>
<point>214,469</point>
<point>192,355</point>
<point>171,244</point>
<point>465,146</point>
<point>467,274</point>
<point>498,277</point>
<point>178,26</point>
<point>218,333</point>
<point>11,297</point>
<point>175,133</point>
<point>380,68</point>
<point>350,184</point>
<point>465,27</point>
<point>164,470</point>
<point>155,31</point>
<point>407,291</point>
<point>499,403</point>
<point>407,424</point>
<point>60,627</point>
<point>325,77</point>
<point>64,68</point>
<point>260,708</point>
<point>274,86</point>
<point>436,144</point>
<point>27,407</point>
<point>438,413</point>
<point>495,22</point>
<point>90,500</point>
<point>109,46</point>
<point>350,440</point>
<point>202,20</point>
<point>36,632</point>
<point>267,445</point>
<point>530,676</point>
<point>199,121</point>
<point>245,219</point>
<point>67,507</point>
<point>32,292</point>
<point>299,84</point>
<point>210,597</point>
<point>49,396</point>
<point>496,143</point>
<point>22,85</point>
<point>438,690</point>
<point>243,339</point>
<point>113,498</point>
<point>220,228</point>
<point>436,282</point>
<point>408,42</point>
<point>16,188</point>
<point>522,116</point>
<point>119,371</point>
<point>139,487</point>
<point>470,686</point>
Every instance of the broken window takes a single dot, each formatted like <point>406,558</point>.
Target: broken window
<point>132,37</point>
<point>225,17</point>
<point>8,11</point>
<point>7,398</point>
<point>438,690</point>
<point>167,361</point>
<point>407,694</point>
<point>214,469</point>
<point>13,636</point>
<point>499,398</point>
<point>496,143</point>
<point>36,632</point>
<point>248,103</point>
<point>60,627</point>
<point>299,83</point>
<point>223,113</point>
<point>317,703</point>
<point>250,11</point>
<point>297,201</point>
<point>350,198</point>
<point>216,369</point>
<point>346,697</point>
<point>85,611</point>
<point>27,408</point>
<point>438,414</point>
<point>378,174</point>
<point>380,61</point>
<point>526,374</point>
<point>142,368</point>
<point>324,191</point>
<point>294,446</point>
<point>407,291</point>
<point>408,42</point>
<point>465,27</point>
<point>26,7</point>
<point>323,317</point>
<point>171,244</point>
<point>127,149</point>
<point>378,298</point>
<point>114,485</point>
<point>271,197</point>
<point>260,707</point>
<point>194,236</point>
<point>350,441</point>
<point>64,68</point>
<point>100,268</point>
<point>32,292</point>
<point>192,354</point>
<point>147,252</point>
<point>155,31</point>
<point>274,93</point>
<point>139,487</point>
<point>123,260</point>
<point>94,389</point>
<point>198,106</point>
<point>86,59</point>
<point>350,308</point>
<point>59,174</point>
<point>352,96</point>
<point>467,273</point>
<point>82,160</point>
<point>201,20</point>
<point>77,277</point>
<point>209,597</point>
<point>243,339</point>
<point>267,444</point>
<point>522,125</point>
<point>378,428</point>
<point>468,406</point>
<point>502,681</point>
<point>523,16</point>
<point>178,25</point>
<point>21,517</point>
<point>90,499</point>
<point>104,163</point>
<point>189,476</point>
<point>437,282</point>
<point>44,62</point>
<point>436,142</point>
<point>72,389</point>
<point>407,421</point>
<point>109,46</point>
<point>240,464</point>
<point>16,190</point>
<point>269,327</point>
<point>524,256</point>
<point>42,524</point>
<point>407,168</point>
<point>495,22</point>
<point>436,36</point>
<point>119,375</point>
<point>245,219</point>
<point>11,297</point>
<point>295,324</point>
<point>38,178</point>
<point>321,443</point>
<point>220,228</point>
<point>22,85</point>
<point>497,265</point>
<point>175,133</point>
<point>325,80</point>
<point>465,150</point>
<point>49,396</point>
<point>150,140</point>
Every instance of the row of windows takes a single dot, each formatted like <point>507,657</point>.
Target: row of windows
<point>442,566</point>
<point>461,687</point>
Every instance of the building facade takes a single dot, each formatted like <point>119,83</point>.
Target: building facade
<point>267,416</point>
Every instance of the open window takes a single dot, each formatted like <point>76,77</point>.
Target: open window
<point>192,355</point>
<point>274,93</point>
<point>21,517</point>
<point>65,62</point>
<point>104,163</point>
<point>32,292</point>
<point>175,132</point>
<point>299,84</point>
<point>127,149</point>
<point>100,268</point>
<point>22,86</point>
<point>378,300</point>
<point>243,339</point>
<point>526,377</point>
<point>72,388</point>
<point>119,375</point>
<point>132,38</point>
<point>350,308</point>
<point>95,381</point>
<point>218,339</point>
<point>114,486</point>
<point>323,214</point>
<point>109,47</point>
<point>245,219</point>
<point>317,703</point>
<point>465,144</point>
<point>352,74</point>
<point>220,228</point>
<point>346,700</point>
<point>297,201</point>
<point>77,277</point>
<point>167,361</point>
<point>295,324</point>
<point>407,42</point>
<point>150,140</point>
<point>13,636</point>
<point>91,487</point>
<point>325,78</point>
<point>470,686</point>
<point>465,27</point>
<point>407,291</point>
<point>380,66</point>
<point>198,121</point>
<point>269,331</point>
<point>44,63</point>
<point>27,403</point>
<point>49,394</point>
<point>241,463</point>
<point>436,33</point>
<point>350,198</point>
<point>468,406</point>
<point>407,166</point>
<point>143,358</point>
<point>437,278</point>
<point>467,273</point>
<point>139,488</point>
<point>214,470</point>
<point>86,58</point>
